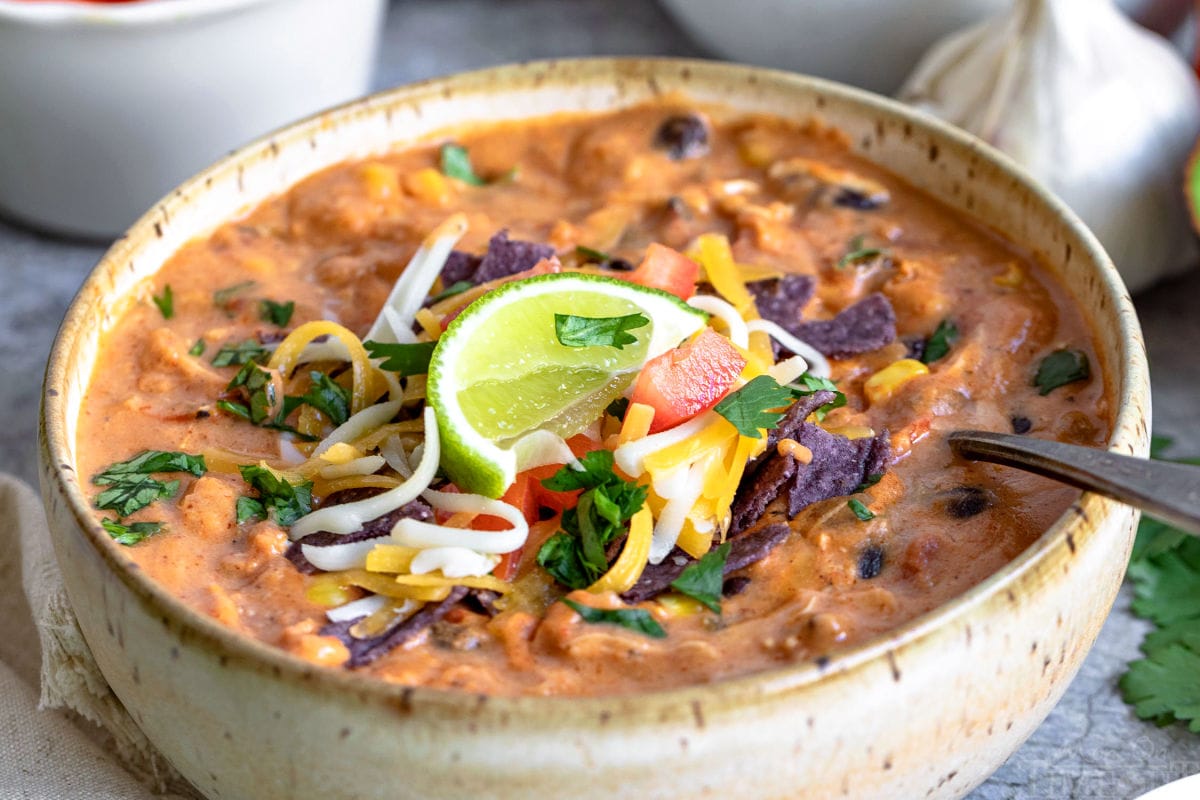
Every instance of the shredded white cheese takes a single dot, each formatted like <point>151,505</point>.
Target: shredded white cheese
<point>393,452</point>
<point>362,607</point>
<point>539,448</point>
<point>335,557</point>
<point>358,466</point>
<point>414,533</point>
<point>349,517</point>
<point>631,455</point>
<point>454,562</point>
<point>739,334</point>
<point>670,522</point>
<point>818,364</point>
<point>360,424</point>
<point>394,323</point>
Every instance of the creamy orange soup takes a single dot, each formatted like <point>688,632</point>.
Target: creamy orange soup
<point>791,200</point>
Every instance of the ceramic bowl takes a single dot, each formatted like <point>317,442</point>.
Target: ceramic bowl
<point>106,107</point>
<point>928,710</point>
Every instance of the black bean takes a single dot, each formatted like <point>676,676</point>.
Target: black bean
<point>203,413</point>
<point>618,265</point>
<point>852,198</point>
<point>734,585</point>
<point>676,206</point>
<point>914,347</point>
<point>967,501</point>
<point>870,562</point>
<point>682,136</point>
<point>1021,424</point>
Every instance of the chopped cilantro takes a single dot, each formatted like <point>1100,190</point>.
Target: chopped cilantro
<point>868,482</point>
<point>232,355</point>
<point>407,359</point>
<point>130,486</point>
<point>456,163</point>
<point>576,555</point>
<point>458,287</point>
<point>328,397</point>
<point>285,502</point>
<point>704,579</point>
<point>1165,573</point>
<point>856,253</point>
<point>132,533</point>
<point>756,405</point>
<point>573,331</point>
<point>637,620</point>
<point>940,341</point>
<point>860,510</point>
<point>249,508</point>
<point>593,256</point>
<point>198,348</point>
<point>279,314</point>
<point>809,383</point>
<point>223,298</point>
<point>258,383</point>
<point>165,302</point>
<point>237,409</point>
<point>1060,368</point>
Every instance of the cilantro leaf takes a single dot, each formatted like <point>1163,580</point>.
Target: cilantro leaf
<point>573,331</point>
<point>577,555</point>
<point>279,314</point>
<point>755,406</point>
<point>458,287</point>
<point>407,359</point>
<point>239,354</point>
<point>237,409</point>
<point>940,341</point>
<point>868,482</point>
<point>248,508</point>
<point>132,533</point>
<point>860,509</point>
<point>1060,368</point>
<point>328,397</point>
<point>703,580</point>
<point>456,163</point>
<point>258,384</point>
<point>637,620</point>
<point>134,493</point>
<point>809,384</point>
<point>223,298</point>
<point>856,253</point>
<point>198,348</point>
<point>148,462</point>
<point>1164,688</point>
<point>285,502</point>
<point>165,302</point>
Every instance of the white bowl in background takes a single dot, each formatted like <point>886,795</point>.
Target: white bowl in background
<point>103,108</point>
<point>872,44</point>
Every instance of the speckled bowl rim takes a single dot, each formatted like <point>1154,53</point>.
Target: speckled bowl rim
<point>117,17</point>
<point>727,694</point>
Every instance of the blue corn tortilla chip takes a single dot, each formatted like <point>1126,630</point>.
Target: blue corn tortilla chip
<point>867,325</point>
<point>506,257</point>
<point>460,266</point>
<point>782,300</point>
<point>839,465</point>
<point>744,550</point>
<point>364,651</point>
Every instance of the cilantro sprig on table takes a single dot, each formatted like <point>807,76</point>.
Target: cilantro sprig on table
<point>575,556</point>
<point>1164,569</point>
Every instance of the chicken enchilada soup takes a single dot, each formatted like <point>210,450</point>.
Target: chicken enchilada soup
<point>589,404</point>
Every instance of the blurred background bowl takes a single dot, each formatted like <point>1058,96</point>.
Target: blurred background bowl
<point>106,107</point>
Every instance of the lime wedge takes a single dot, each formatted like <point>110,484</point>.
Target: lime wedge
<point>499,371</point>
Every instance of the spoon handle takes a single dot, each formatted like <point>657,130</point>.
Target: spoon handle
<point>1167,490</point>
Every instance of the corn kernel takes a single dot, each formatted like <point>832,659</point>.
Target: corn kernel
<point>429,186</point>
<point>882,385</point>
<point>330,591</point>
<point>851,431</point>
<point>341,453</point>
<point>259,265</point>
<point>381,180</point>
<point>678,605</point>
<point>1011,278</point>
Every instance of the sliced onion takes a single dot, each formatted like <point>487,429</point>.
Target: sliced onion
<point>349,517</point>
<point>539,448</point>
<point>818,364</point>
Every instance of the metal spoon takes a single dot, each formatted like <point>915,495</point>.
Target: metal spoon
<point>1167,490</point>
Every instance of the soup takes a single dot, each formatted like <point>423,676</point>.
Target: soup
<point>825,326</point>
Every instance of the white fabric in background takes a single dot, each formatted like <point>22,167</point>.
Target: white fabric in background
<point>75,741</point>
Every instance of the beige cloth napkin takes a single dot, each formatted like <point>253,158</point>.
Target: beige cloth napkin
<point>73,739</point>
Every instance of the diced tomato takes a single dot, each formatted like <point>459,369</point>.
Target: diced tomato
<point>666,269</point>
<point>681,383</point>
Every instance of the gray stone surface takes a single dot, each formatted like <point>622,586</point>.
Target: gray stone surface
<point>1090,747</point>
